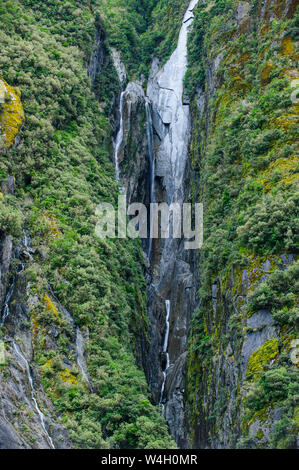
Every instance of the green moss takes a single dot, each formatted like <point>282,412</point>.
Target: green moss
<point>247,172</point>
<point>62,171</point>
<point>11,114</point>
<point>260,434</point>
<point>260,358</point>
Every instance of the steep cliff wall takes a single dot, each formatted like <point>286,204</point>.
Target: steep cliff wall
<point>242,379</point>
<point>72,306</point>
<point>85,322</point>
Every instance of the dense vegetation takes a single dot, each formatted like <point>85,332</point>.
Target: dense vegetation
<point>142,29</point>
<point>249,174</point>
<point>62,169</point>
<point>240,78</point>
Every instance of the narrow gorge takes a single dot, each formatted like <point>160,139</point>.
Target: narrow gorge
<point>142,343</point>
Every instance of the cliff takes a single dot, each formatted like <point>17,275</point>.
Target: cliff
<point>122,343</point>
<point>242,376</point>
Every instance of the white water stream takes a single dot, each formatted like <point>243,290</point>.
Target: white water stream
<point>30,379</point>
<point>165,91</point>
<point>25,249</point>
<point>151,159</point>
<point>173,125</point>
<point>165,347</point>
<point>120,136</point>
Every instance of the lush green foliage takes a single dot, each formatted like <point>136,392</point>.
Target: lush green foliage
<point>142,29</point>
<point>244,147</point>
<point>62,170</point>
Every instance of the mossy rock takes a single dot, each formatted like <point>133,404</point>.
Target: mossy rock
<point>11,113</point>
<point>260,358</point>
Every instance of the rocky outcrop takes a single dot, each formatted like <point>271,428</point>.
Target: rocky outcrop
<point>119,66</point>
<point>96,60</point>
<point>132,152</point>
<point>27,416</point>
<point>172,268</point>
<point>231,346</point>
<point>11,114</point>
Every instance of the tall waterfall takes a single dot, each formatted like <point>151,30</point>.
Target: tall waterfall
<point>30,380</point>
<point>120,135</point>
<point>165,90</point>
<point>165,348</point>
<point>172,277</point>
<point>151,158</point>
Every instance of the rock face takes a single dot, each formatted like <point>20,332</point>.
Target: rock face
<point>96,60</point>
<point>119,66</point>
<point>235,345</point>
<point>170,268</point>
<point>11,114</point>
<point>171,275</point>
<point>231,365</point>
<point>27,418</point>
<point>132,149</point>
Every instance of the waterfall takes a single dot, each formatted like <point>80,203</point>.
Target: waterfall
<point>26,242</point>
<point>165,91</point>
<point>30,379</point>
<point>120,136</point>
<point>25,249</point>
<point>151,159</point>
<point>165,348</point>
<point>6,311</point>
<point>172,123</point>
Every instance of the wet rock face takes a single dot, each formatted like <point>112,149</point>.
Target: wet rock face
<point>20,422</point>
<point>96,60</point>
<point>133,158</point>
<point>6,253</point>
<point>172,268</point>
<point>11,115</point>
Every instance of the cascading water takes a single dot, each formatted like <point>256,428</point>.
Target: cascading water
<point>30,379</point>
<point>151,159</point>
<point>24,249</point>
<point>6,311</point>
<point>120,136</point>
<point>165,348</point>
<point>172,124</point>
<point>165,90</point>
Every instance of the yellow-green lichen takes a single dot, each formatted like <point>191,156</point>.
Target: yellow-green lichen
<point>11,113</point>
<point>265,73</point>
<point>50,228</point>
<point>260,358</point>
<point>287,46</point>
<point>260,434</point>
<point>51,308</point>
<point>68,377</point>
